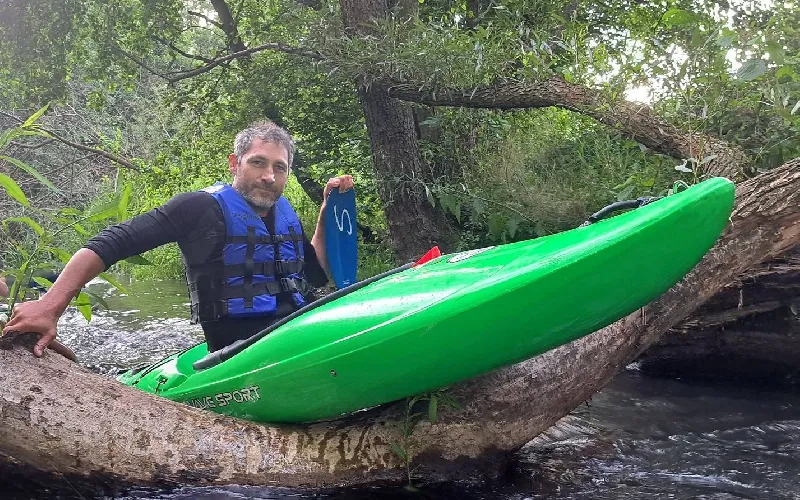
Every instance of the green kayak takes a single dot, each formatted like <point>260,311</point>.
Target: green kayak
<point>452,318</point>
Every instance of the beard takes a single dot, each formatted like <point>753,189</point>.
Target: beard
<point>259,199</point>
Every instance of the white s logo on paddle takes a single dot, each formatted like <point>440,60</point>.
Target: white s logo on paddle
<point>340,220</point>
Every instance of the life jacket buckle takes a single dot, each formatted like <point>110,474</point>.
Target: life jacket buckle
<point>290,285</point>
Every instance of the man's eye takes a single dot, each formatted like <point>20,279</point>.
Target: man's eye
<point>280,168</point>
<point>257,163</point>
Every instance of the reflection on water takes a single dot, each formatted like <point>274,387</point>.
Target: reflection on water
<point>640,437</point>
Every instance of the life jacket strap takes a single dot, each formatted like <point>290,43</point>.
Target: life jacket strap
<point>264,240</point>
<point>292,285</point>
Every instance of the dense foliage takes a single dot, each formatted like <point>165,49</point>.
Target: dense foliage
<point>154,82</point>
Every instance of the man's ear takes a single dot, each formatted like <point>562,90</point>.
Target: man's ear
<point>233,163</point>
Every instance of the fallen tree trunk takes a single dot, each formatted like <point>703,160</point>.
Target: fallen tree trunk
<point>748,332</point>
<point>59,418</point>
<point>764,288</point>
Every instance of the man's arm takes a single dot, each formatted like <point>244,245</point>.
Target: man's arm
<point>3,287</point>
<point>144,232</point>
<point>344,183</point>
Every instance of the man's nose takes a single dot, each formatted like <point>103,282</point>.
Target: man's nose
<point>268,175</point>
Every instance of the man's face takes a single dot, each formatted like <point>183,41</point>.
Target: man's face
<point>261,175</point>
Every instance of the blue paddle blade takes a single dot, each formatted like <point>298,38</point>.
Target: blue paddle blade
<point>341,240</point>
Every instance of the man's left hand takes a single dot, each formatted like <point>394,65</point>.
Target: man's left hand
<point>343,182</point>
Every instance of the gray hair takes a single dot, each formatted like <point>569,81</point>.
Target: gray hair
<point>267,131</point>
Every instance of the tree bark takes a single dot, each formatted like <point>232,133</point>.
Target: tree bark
<point>228,26</point>
<point>58,418</point>
<point>415,225</point>
<point>633,120</point>
<point>764,288</point>
<point>748,332</point>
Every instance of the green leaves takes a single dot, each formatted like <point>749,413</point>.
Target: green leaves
<point>28,127</point>
<point>433,408</point>
<point>13,190</point>
<point>726,37</point>
<point>27,221</point>
<point>116,284</point>
<point>108,210</point>
<point>138,260</point>
<point>496,226</point>
<point>124,201</point>
<point>677,17</point>
<point>32,119</point>
<point>32,171</point>
<point>751,69</point>
<point>787,72</point>
<point>512,224</point>
<point>450,203</point>
<point>84,304</point>
<point>399,451</point>
<point>775,51</point>
<point>42,282</point>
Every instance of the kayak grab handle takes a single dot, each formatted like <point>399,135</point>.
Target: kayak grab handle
<point>620,205</point>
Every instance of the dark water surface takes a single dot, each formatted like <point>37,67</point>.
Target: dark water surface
<point>640,438</point>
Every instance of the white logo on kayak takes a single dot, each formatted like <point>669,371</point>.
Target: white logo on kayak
<point>466,255</point>
<point>245,395</point>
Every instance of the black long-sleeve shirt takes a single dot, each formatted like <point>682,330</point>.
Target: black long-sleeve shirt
<point>196,222</point>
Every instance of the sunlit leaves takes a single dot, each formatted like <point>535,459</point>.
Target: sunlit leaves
<point>677,17</point>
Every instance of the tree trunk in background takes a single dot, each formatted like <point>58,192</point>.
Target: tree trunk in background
<point>414,224</point>
<point>60,419</point>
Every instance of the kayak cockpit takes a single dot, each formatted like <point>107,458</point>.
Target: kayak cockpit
<point>167,374</point>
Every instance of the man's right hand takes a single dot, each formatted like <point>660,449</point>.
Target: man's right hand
<point>41,316</point>
<point>36,316</point>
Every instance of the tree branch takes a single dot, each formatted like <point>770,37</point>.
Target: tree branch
<point>32,146</point>
<point>312,4</point>
<point>279,47</point>
<point>636,121</point>
<point>208,19</point>
<point>228,25</point>
<point>105,154</point>
<point>182,52</point>
<point>54,425</point>
<point>136,61</point>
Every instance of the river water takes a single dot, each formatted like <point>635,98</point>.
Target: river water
<point>639,438</point>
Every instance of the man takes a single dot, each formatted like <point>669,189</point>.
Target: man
<point>3,288</point>
<point>248,262</point>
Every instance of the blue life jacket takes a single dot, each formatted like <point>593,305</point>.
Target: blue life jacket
<point>257,265</point>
